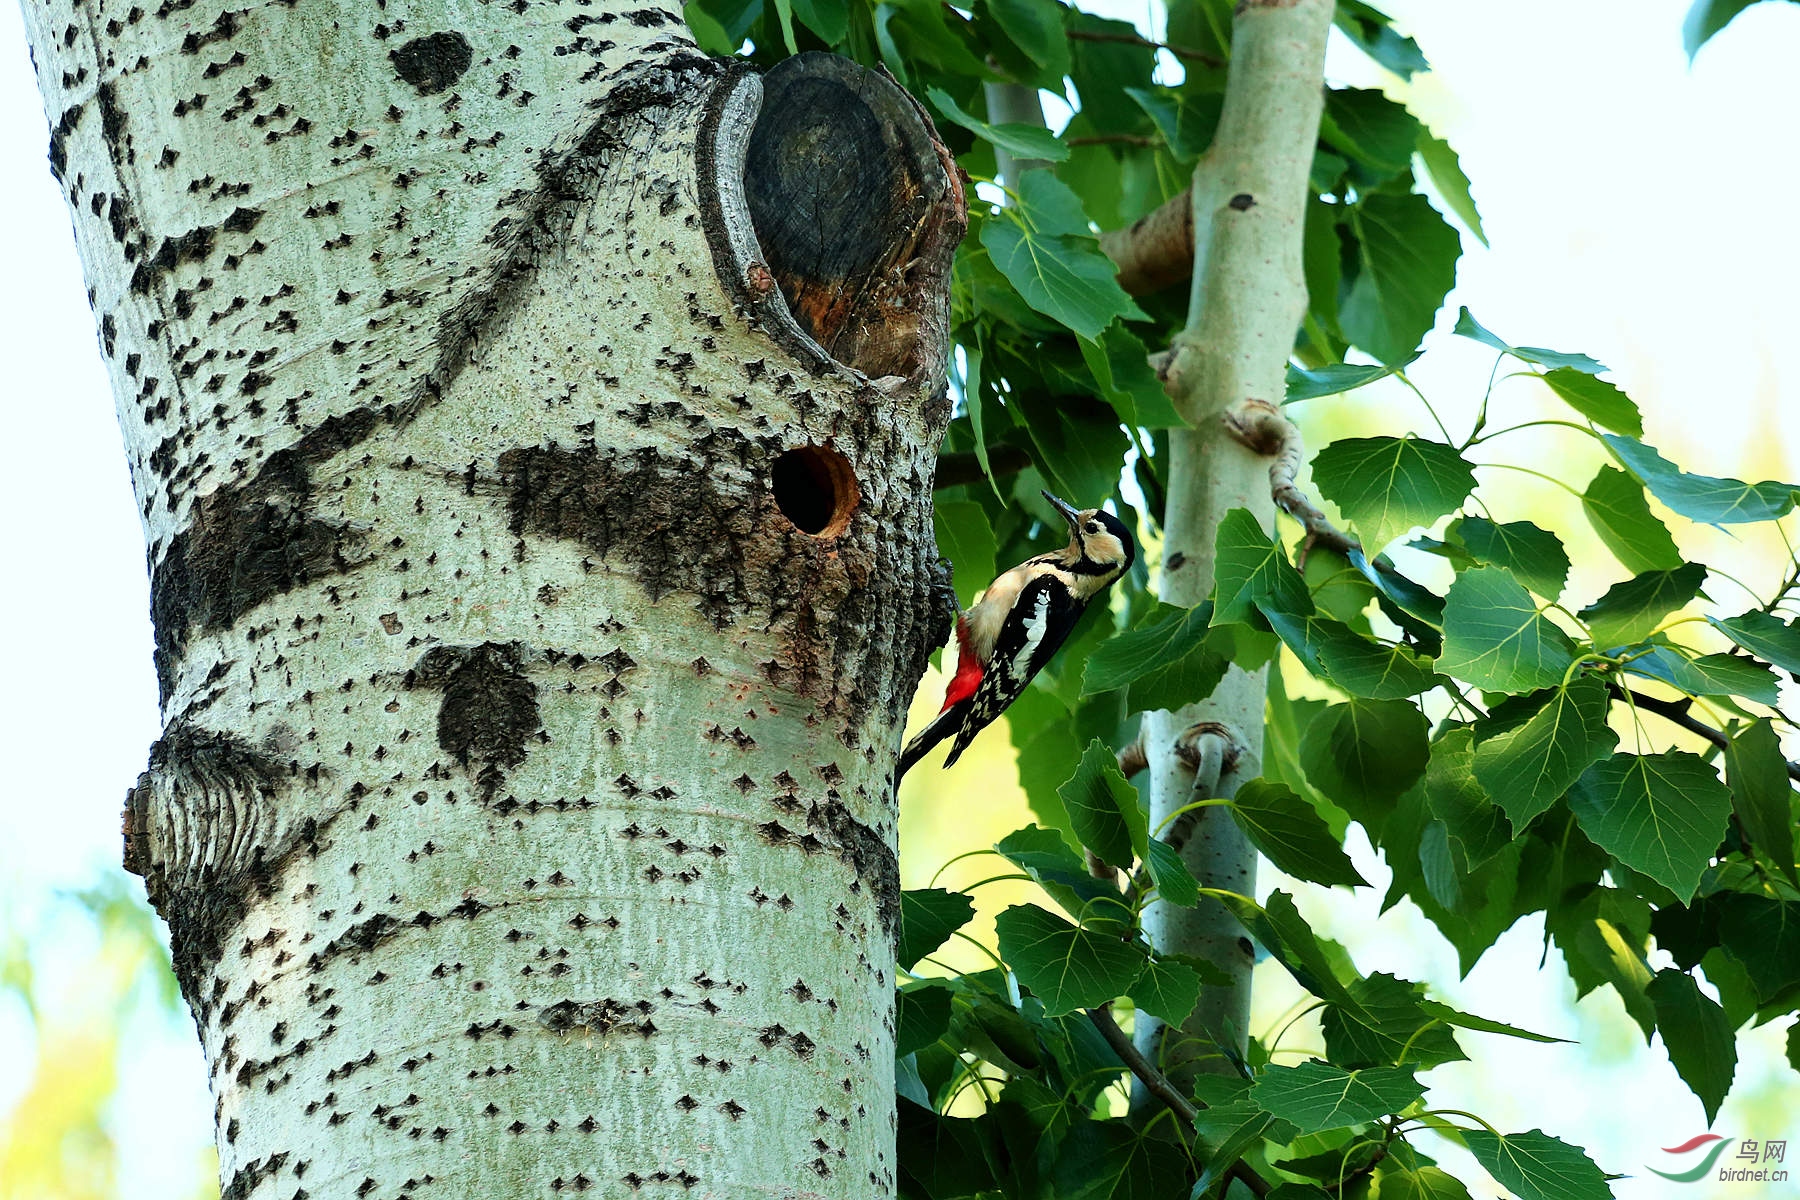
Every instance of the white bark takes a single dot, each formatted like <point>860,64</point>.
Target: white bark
<point>1249,293</point>
<point>522,815</point>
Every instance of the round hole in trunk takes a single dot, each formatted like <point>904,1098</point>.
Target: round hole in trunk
<point>816,490</point>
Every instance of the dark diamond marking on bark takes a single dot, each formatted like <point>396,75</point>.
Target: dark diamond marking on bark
<point>434,62</point>
<point>490,708</point>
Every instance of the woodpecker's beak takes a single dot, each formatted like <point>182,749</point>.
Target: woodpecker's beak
<point>1068,511</point>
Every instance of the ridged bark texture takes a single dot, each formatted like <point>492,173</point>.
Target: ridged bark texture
<point>536,601</point>
<point>1249,294</point>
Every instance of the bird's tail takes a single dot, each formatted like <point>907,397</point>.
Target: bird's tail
<point>941,727</point>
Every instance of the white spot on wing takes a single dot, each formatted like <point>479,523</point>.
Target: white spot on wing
<point>1035,627</point>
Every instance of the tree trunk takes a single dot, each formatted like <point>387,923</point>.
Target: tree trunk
<point>1249,202</point>
<point>537,592</point>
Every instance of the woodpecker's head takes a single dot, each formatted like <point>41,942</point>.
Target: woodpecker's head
<point>1100,547</point>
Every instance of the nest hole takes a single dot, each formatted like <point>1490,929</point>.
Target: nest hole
<point>816,490</point>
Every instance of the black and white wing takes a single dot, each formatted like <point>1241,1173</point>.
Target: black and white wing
<point>1045,614</point>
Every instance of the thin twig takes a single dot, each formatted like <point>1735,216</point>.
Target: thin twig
<point>1261,426</point>
<point>1132,39</point>
<point>1676,713</point>
<point>1114,139</point>
<point>1160,1086</point>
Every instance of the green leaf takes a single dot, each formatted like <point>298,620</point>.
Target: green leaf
<point>1766,637</point>
<point>1377,38</point>
<point>1387,485</point>
<point>1495,637</point>
<point>1330,380</point>
<point>965,536</point>
<point>1528,769</point>
<point>1425,1183</point>
<point>1021,141</point>
<point>1186,120</point>
<point>1697,1036</point>
<point>1332,650</point>
<point>1317,1095</point>
<point>1631,611</point>
<point>1408,259</point>
<point>1365,753</point>
<point>1252,570</point>
<point>1174,882</point>
<point>1535,556</point>
<point>1121,368</point>
<point>1603,936</point>
<point>1285,934</point>
<point>1389,1027</point>
<point>1463,1020</point>
<point>1764,936</point>
<point>972,404</point>
<point>1709,674</point>
<point>1103,808</point>
<point>1616,507</point>
<point>1108,1160</point>
<point>1469,327</point>
<point>928,916</point>
<point>1761,793</point>
<point>784,12</point>
<point>1168,990</point>
<point>1452,185</point>
<point>1365,124</point>
<point>1705,498</point>
<point>1536,1166</point>
<point>1706,18</point>
<point>1057,268</point>
<point>1290,832</point>
<point>830,19</point>
<point>1477,828</point>
<point>1597,400</point>
<point>1053,865</point>
<point>1036,27</point>
<point>1065,966</point>
<point>1164,659</point>
<point>921,1016</point>
<point>709,33</point>
<point>1662,814</point>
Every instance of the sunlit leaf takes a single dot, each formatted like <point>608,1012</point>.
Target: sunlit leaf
<point>1103,807</point>
<point>1317,1095</point>
<point>1536,1166</point>
<point>1616,507</point>
<point>1252,571</point>
<point>1408,258</point>
<point>1330,380</point>
<point>1762,794</point>
<point>1631,611</point>
<point>1388,485</point>
<point>1597,400</point>
<point>1447,177</point>
<point>1166,989</point>
<point>1697,1036</point>
<point>1528,769</point>
<point>1662,814</point>
<point>1535,556</point>
<point>1704,498</point>
<point>1469,327</point>
<point>1065,966</point>
<point>1708,674</point>
<point>1495,637</point>
<point>1290,832</point>
<point>1767,637</point>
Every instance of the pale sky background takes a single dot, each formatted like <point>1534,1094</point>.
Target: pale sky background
<point>1639,210</point>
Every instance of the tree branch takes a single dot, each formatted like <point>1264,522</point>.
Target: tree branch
<point>1262,427</point>
<point>1159,1085</point>
<point>1155,251</point>
<point>1676,712</point>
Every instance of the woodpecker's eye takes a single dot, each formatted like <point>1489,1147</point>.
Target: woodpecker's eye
<point>1093,527</point>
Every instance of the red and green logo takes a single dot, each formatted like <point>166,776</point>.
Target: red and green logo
<point>1706,1163</point>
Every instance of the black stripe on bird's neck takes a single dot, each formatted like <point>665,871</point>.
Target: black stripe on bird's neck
<point>1087,566</point>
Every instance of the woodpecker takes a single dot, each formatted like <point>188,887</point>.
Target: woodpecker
<point>1017,624</point>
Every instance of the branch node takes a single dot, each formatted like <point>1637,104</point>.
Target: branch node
<point>1261,427</point>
